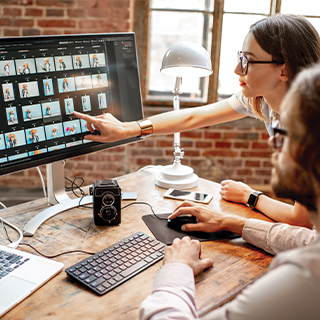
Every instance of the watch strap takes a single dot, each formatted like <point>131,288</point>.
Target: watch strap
<point>146,127</point>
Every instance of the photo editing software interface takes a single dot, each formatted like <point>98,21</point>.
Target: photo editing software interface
<point>44,79</point>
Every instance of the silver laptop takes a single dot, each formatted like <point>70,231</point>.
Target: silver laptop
<point>21,273</point>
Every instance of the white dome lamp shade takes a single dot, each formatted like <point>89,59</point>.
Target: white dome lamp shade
<point>183,59</point>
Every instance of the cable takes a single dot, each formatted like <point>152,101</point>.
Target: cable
<point>1,204</point>
<point>16,243</point>
<point>73,189</point>
<point>56,255</point>
<point>148,204</point>
<point>83,194</point>
<point>42,182</point>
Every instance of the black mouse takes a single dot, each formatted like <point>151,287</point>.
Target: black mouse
<point>179,221</point>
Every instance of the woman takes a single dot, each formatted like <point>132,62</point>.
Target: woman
<point>274,51</point>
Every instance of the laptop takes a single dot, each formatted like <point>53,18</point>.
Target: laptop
<point>22,273</point>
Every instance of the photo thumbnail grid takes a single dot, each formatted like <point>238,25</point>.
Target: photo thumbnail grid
<point>46,137</point>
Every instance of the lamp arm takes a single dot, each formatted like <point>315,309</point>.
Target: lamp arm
<point>178,152</point>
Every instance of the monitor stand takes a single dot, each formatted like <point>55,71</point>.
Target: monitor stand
<point>57,196</point>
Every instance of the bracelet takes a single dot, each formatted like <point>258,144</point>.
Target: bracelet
<point>146,127</point>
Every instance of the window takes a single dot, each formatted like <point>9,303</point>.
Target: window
<point>219,26</point>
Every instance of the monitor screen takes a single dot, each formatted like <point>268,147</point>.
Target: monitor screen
<point>44,79</point>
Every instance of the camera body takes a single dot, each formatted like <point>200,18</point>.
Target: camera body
<point>106,202</point>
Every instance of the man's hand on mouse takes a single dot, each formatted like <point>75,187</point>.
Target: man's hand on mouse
<point>187,251</point>
<point>208,220</point>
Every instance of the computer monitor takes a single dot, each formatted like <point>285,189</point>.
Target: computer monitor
<point>43,80</point>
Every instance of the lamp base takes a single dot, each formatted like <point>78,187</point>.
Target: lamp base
<point>177,176</point>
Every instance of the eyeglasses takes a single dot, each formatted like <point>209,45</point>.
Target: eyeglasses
<point>278,135</point>
<point>244,62</point>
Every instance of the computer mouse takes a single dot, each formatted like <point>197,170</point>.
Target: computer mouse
<point>179,221</point>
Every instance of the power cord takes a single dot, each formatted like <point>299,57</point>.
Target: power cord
<point>19,243</point>
<point>74,186</point>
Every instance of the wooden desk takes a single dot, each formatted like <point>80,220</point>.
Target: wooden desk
<point>237,263</point>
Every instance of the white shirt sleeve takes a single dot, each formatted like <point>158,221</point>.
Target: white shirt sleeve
<point>276,237</point>
<point>172,295</point>
<point>286,292</point>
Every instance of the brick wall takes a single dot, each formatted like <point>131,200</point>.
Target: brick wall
<point>237,150</point>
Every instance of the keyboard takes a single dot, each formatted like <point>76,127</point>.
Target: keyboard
<point>9,262</point>
<point>116,264</point>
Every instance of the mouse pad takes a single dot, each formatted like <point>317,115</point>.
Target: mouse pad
<point>166,235</point>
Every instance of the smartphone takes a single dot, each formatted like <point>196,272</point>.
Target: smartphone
<point>188,195</point>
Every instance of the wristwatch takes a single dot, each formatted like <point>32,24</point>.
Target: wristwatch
<point>253,199</point>
<point>146,128</point>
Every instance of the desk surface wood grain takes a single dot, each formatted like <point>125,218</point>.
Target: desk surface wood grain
<point>236,263</point>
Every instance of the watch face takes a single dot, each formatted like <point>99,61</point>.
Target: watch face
<point>252,199</point>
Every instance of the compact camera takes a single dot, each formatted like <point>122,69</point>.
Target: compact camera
<point>106,202</point>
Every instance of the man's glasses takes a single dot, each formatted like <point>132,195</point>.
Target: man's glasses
<point>244,62</point>
<point>278,135</point>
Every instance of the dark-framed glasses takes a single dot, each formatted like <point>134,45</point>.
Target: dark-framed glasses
<point>244,62</point>
<point>278,135</point>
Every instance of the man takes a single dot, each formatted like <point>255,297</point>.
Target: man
<point>291,288</point>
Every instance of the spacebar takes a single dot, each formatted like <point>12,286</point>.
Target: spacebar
<point>133,268</point>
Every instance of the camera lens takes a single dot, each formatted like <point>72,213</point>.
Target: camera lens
<point>108,213</point>
<point>108,199</point>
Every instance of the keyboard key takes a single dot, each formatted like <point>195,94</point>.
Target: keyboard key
<point>133,268</point>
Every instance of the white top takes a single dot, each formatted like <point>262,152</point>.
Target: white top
<point>290,290</point>
<point>238,102</point>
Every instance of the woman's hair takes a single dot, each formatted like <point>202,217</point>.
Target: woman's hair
<point>305,93</point>
<point>289,39</point>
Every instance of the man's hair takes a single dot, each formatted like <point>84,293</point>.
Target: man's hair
<point>289,39</point>
<point>305,95</point>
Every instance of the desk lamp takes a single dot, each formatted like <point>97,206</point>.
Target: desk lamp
<point>183,59</point>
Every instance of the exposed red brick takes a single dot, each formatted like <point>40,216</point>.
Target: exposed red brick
<point>212,135</point>
<point>263,172</point>
<point>98,12</point>
<point>12,11</point>
<point>164,143</point>
<point>203,144</point>
<point>54,12</point>
<point>267,164</point>
<point>11,32</point>
<point>245,172</point>
<point>255,154</point>
<point>31,32</point>
<point>16,22</point>
<point>56,23</point>
<point>241,145</point>
<point>252,163</point>
<point>143,162</point>
<point>76,13</point>
<point>191,153</point>
<point>190,134</point>
<point>17,2</point>
<point>55,3</point>
<point>258,145</point>
<point>220,153</point>
<point>222,144</point>
<point>241,135</point>
<point>33,12</point>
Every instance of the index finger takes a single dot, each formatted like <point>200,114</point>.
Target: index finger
<point>181,210</point>
<point>83,116</point>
